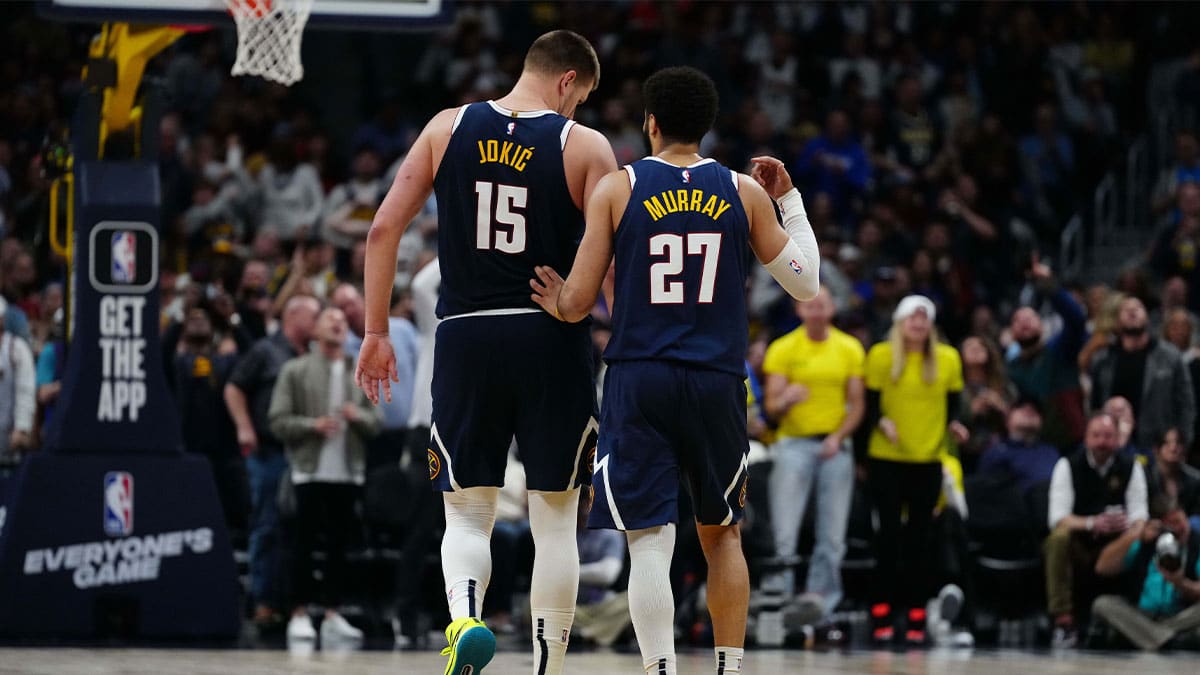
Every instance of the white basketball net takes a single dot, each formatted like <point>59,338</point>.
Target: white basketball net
<point>269,34</point>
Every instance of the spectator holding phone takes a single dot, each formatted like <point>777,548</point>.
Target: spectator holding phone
<point>1095,495</point>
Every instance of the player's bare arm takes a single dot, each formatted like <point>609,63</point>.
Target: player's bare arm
<point>572,300</point>
<point>587,158</point>
<point>789,252</point>
<point>409,191</point>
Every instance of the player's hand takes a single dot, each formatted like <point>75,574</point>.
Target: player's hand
<point>772,175</point>
<point>327,426</point>
<point>546,289</point>
<point>376,366</point>
<point>247,440</point>
<point>888,428</point>
<point>830,447</point>
<point>350,412</point>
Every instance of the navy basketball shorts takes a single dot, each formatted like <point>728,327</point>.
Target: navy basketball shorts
<point>661,421</point>
<point>527,377</point>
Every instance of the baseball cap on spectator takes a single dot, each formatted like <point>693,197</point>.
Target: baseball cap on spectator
<point>911,305</point>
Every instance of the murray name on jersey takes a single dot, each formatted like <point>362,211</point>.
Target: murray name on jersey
<point>675,201</point>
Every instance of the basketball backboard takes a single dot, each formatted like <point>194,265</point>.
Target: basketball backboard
<point>346,14</point>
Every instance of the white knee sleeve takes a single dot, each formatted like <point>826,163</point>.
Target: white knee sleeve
<point>651,605</point>
<point>466,548</point>
<point>553,521</point>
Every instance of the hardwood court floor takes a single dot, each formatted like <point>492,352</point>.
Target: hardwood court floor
<point>263,662</point>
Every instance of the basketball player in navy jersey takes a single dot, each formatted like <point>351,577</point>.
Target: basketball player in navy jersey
<point>678,227</point>
<point>511,178</point>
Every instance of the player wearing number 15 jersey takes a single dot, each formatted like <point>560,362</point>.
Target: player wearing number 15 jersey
<point>511,178</point>
<point>678,227</point>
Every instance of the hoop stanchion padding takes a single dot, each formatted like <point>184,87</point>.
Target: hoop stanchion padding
<point>112,546</point>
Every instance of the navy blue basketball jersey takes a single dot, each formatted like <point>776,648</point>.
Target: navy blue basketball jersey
<point>503,207</point>
<point>680,252</point>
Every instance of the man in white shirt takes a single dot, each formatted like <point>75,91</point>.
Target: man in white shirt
<point>324,422</point>
<point>1095,495</point>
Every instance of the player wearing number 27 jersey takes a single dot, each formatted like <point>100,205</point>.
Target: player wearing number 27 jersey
<point>678,227</point>
<point>511,178</point>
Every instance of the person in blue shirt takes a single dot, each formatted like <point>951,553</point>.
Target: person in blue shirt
<point>1168,593</point>
<point>836,164</point>
<point>50,364</point>
<point>1023,455</point>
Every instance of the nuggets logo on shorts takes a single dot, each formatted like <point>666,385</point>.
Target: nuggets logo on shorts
<point>742,492</point>
<point>435,463</point>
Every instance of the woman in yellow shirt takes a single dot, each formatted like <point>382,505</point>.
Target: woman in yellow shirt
<point>913,384</point>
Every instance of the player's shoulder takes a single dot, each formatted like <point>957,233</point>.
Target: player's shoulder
<point>613,187</point>
<point>585,141</point>
<point>747,186</point>
<point>582,133</point>
<point>751,193</point>
<point>444,121</point>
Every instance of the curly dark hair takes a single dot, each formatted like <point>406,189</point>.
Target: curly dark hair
<point>683,101</point>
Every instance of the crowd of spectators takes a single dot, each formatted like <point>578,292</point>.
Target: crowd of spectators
<point>940,149</point>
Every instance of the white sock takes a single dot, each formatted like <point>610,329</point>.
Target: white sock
<point>466,549</point>
<point>553,519</point>
<point>551,632</point>
<point>651,605</point>
<point>729,660</point>
<point>662,665</point>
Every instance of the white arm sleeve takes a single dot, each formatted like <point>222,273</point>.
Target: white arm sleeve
<point>798,266</point>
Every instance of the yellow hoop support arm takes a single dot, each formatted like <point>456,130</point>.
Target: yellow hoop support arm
<point>57,244</point>
<point>130,48</point>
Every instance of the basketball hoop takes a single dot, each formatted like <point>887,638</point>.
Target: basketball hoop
<point>269,34</point>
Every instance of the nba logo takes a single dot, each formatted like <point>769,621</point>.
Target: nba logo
<point>687,176</point>
<point>118,503</point>
<point>511,127</point>
<point>124,257</point>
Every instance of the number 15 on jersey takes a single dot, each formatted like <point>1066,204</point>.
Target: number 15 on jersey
<point>489,215</point>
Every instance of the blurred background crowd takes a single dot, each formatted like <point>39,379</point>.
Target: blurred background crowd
<point>942,150</point>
